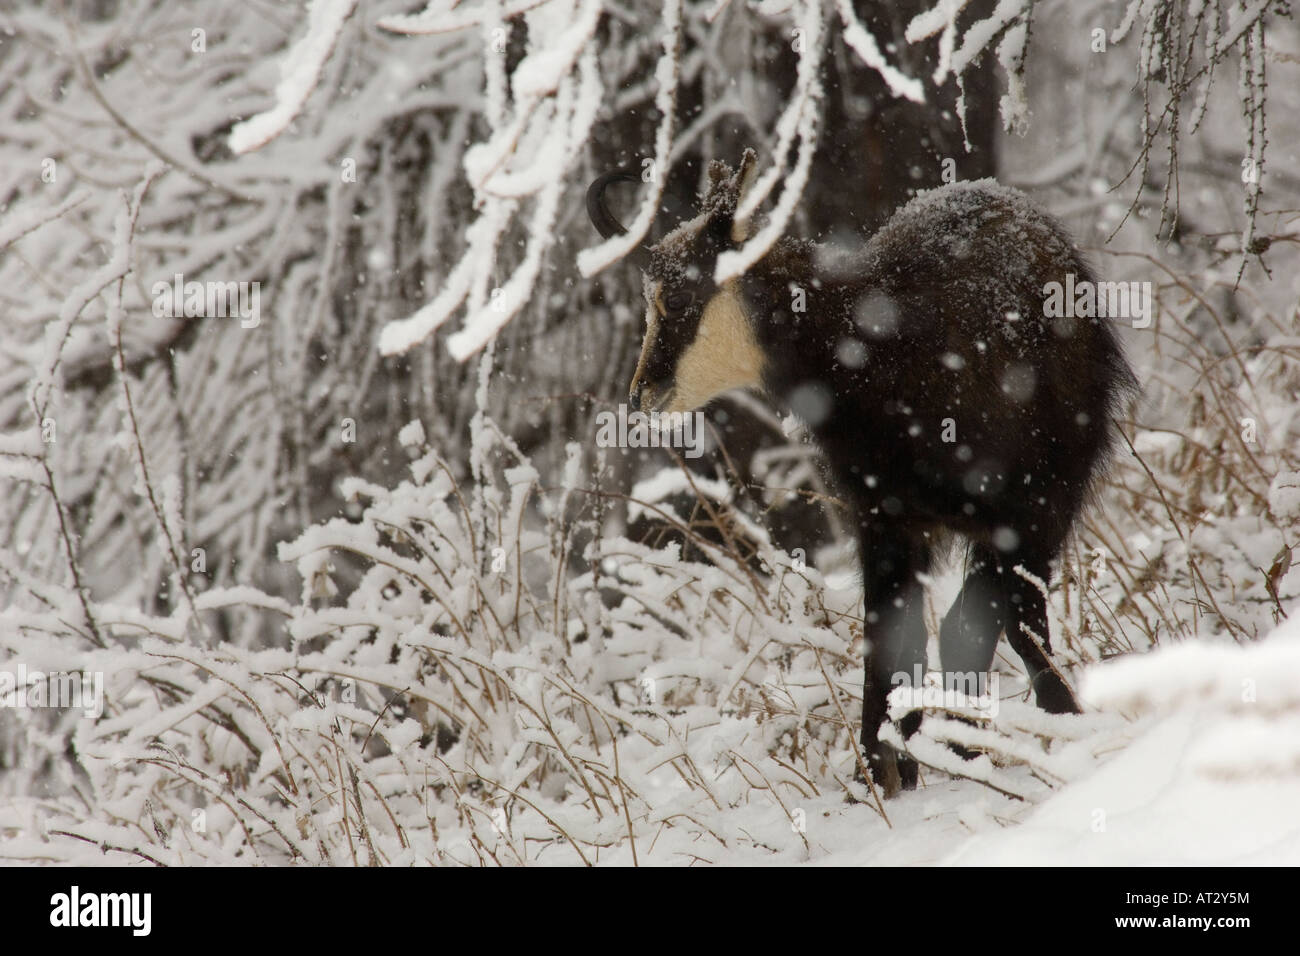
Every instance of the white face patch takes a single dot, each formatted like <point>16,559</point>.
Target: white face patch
<point>724,355</point>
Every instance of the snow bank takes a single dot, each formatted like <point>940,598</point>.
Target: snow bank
<point>1211,778</point>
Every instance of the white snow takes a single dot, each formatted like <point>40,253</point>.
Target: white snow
<point>411,434</point>
<point>864,44</point>
<point>1183,772</point>
<point>593,260</point>
<point>798,119</point>
<point>1284,496</point>
<point>299,74</point>
<point>19,222</point>
<point>594,698</point>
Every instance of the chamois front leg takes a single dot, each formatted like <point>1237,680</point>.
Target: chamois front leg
<point>894,630</point>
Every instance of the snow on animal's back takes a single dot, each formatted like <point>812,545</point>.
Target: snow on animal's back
<point>979,233</point>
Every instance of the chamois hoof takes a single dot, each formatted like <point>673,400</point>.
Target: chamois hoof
<point>1053,694</point>
<point>892,770</point>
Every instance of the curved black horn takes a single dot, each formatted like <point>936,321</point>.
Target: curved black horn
<point>601,217</point>
<point>604,220</point>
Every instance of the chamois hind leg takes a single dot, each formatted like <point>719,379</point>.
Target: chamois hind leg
<point>894,629</point>
<point>1026,622</point>
<point>968,637</point>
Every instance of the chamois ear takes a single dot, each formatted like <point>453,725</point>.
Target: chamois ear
<point>745,176</point>
<point>718,171</point>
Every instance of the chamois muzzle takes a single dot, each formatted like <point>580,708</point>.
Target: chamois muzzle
<point>604,220</point>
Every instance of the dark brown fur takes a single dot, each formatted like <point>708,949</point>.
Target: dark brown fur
<point>933,330</point>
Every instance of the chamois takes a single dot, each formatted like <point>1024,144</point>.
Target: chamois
<point>943,396</point>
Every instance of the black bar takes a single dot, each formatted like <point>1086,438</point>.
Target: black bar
<point>293,905</point>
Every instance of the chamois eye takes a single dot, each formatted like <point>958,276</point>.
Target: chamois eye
<point>675,303</point>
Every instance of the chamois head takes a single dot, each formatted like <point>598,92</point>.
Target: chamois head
<point>698,340</point>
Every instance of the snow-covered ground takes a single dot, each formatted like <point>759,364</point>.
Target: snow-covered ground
<point>340,617</point>
<point>1191,757</point>
<point>1209,772</point>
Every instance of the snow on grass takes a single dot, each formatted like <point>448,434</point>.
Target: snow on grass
<point>632,706</point>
